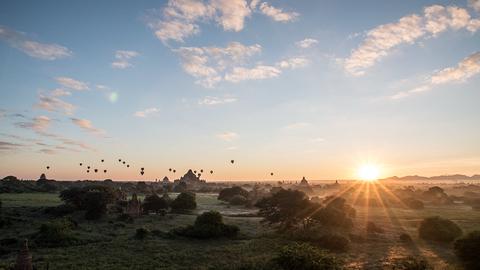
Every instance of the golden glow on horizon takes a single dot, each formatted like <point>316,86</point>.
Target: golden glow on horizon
<point>368,172</point>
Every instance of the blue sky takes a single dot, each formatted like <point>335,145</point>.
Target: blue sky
<point>312,88</point>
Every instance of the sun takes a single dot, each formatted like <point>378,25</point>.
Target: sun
<point>368,172</point>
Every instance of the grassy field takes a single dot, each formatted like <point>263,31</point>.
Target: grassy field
<point>110,244</point>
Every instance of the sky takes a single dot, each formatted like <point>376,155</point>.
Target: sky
<point>297,88</point>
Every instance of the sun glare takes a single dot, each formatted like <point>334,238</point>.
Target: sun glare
<point>368,172</point>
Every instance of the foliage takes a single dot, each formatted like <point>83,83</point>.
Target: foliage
<point>439,229</point>
<point>55,233</point>
<point>94,199</point>
<point>333,242</point>
<point>285,208</point>
<point>208,225</point>
<point>305,257</point>
<point>180,187</point>
<point>337,213</point>
<point>238,200</point>
<point>227,194</point>
<point>154,203</point>
<point>414,204</point>
<point>411,263</point>
<point>184,201</point>
<point>60,210</point>
<point>373,228</point>
<point>467,249</point>
<point>141,233</point>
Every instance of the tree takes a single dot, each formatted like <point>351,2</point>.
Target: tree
<point>227,194</point>
<point>94,199</point>
<point>439,229</point>
<point>184,201</point>
<point>285,208</point>
<point>154,203</point>
<point>208,225</point>
<point>467,248</point>
<point>180,187</point>
<point>337,213</point>
<point>306,257</point>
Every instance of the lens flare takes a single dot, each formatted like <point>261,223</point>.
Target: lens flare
<point>368,172</point>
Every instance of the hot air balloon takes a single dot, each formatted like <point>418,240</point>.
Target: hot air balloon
<point>119,160</point>
<point>232,161</point>
<point>124,162</point>
<point>142,169</point>
<point>199,175</point>
<point>88,171</point>
<point>88,167</point>
<point>195,172</point>
<point>142,172</point>
<point>174,171</point>
<point>103,160</point>
<point>271,173</point>
<point>201,170</point>
<point>96,170</point>
<point>48,167</point>
<point>80,164</point>
<point>104,171</point>
<point>211,172</point>
<point>170,169</point>
<point>128,166</point>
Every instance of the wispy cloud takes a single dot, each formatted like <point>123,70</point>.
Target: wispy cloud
<point>306,43</point>
<point>34,49</point>
<point>465,69</point>
<point>475,4</point>
<point>54,104</point>
<point>210,101</point>
<point>180,18</point>
<point>277,14</point>
<point>381,40</point>
<point>147,112</point>
<point>72,83</point>
<point>38,124</point>
<point>122,59</point>
<point>8,146</point>
<point>227,136</point>
<point>87,126</point>
<point>59,92</point>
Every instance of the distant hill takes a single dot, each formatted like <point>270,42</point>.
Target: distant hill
<point>451,177</point>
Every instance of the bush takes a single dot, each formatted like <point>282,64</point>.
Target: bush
<point>55,233</point>
<point>405,238</point>
<point>154,203</point>
<point>305,257</point>
<point>184,201</point>
<point>238,200</point>
<point>411,263</point>
<point>141,233</point>
<point>467,249</point>
<point>208,225</point>
<point>60,210</point>
<point>335,214</point>
<point>227,194</point>
<point>334,242</point>
<point>439,229</point>
<point>414,204</point>
<point>373,228</point>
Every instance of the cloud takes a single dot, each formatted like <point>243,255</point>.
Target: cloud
<point>277,14</point>
<point>211,65</point>
<point>180,18</point>
<point>475,4</point>
<point>59,92</point>
<point>297,125</point>
<point>147,112</point>
<point>210,101</point>
<point>87,126</point>
<point>227,136</point>
<point>34,49</point>
<point>54,104</point>
<point>381,40</point>
<point>72,83</point>
<point>122,59</point>
<point>37,124</point>
<point>47,151</point>
<point>465,69</point>
<point>306,43</point>
<point>7,146</point>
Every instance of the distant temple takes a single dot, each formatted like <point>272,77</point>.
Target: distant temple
<point>193,181</point>
<point>134,206</point>
<point>304,182</point>
<point>24,258</point>
<point>304,186</point>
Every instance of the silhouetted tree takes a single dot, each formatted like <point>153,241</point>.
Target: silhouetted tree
<point>154,203</point>
<point>184,201</point>
<point>467,249</point>
<point>439,229</point>
<point>227,194</point>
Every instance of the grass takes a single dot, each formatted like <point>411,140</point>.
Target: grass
<point>109,244</point>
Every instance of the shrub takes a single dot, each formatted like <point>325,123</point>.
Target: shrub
<point>55,233</point>
<point>141,233</point>
<point>238,200</point>
<point>184,201</point>
<point>405,238</point>
<point>227,194</point>
<point>305,257</point>
<point>154,203</point>
<point>414,204</point>
<point>373,228</point>
<point>467,249</point>
<point>208,225</point>
<point>411,263</point>
<point>60,210</point>
<point>439,229</point>
<point>334,242</point>
<point>335,214</point>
